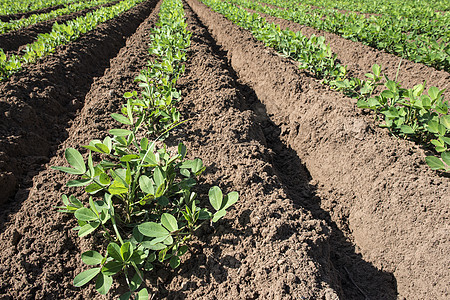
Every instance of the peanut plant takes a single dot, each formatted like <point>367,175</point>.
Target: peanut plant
<point>140,195</point>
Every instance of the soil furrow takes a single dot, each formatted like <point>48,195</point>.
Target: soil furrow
<point>12,41</point>
<point>360,58</point>
<point>40,254</point>
<point>377,189</point>
<point>7,18</point>
<point>38,103</point>
<point>268,247</point>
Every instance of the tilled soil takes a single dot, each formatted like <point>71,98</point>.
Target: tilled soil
<point>12,41</point>
<point>330,205</point>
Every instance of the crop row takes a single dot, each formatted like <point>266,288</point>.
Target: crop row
<point>61,34</point>
<point>409,113</point>
<point>420,8</point>
<point>8,7</point>
<point>140,195</point>
<point>36,18</point>
<point>419,41</point>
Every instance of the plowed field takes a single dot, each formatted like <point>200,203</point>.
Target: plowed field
<point>331,206</point>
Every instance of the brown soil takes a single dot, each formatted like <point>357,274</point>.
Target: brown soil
<point>372,185</point>
<point>12,41</point>
<point>330,205</point>
<point>7,18</point>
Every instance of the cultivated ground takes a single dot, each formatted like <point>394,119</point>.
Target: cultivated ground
<point>331,206</point>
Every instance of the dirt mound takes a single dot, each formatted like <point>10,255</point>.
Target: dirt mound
<point>377,189</point>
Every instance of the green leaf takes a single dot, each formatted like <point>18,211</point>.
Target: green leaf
<point>169,222</point>
<point>78,182</point>
<point>182,150</point>
<point>126,250</point>
<point>103,283</point>
<point>230,199</point>
<point>387,94</point>
<point>117,188</point>
<point>433,92</point>
<point>91,257</point>
<point>142,295</point>
<point>152,229</point>
<point>146,185</point>
<point>175,262</point>
<point>433,126</point>
<point>125,296</point>
<point>112,267</point>
<point>85,214</point>
<point>85,276</point>
<point>434,163</point>
<point>407,129</point>
<point>75,159</point>
<point>68,170</point>
<point>120,132</point>
<point>114,251</point>
<point>104,179</point>
<point>102,148</point>
<point>446,157</point>
<point>135,282</point>
<point>121,118</point>
<point>88,228</point>
<point>445,120</point>
<point>215,197</point>
<point>158,177</point>
<point>218,215</point>
<point>93,188</point>
<point>129,157</point>
<point>182,250</point>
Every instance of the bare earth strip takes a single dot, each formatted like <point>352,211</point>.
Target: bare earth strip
<point>395,208</point>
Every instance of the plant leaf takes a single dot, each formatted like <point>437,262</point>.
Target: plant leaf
<point>230,199</point>
<point>146,185</point>
<point>85,214</point>
<point>114,251</point>
<point>434,163</point>
<point>152,229</point>
<point>446,157</point>
<point>103,283</point>
<point>120,132</point>
<point>121,118</point>
<point>169,221</point>
<point>142,295</point>
<point>215,197</point>
<point>85,276</point>
<point>112,267</point>
<point>88,228</point>
<point>91,257</point>
<point>175,262</point>
<point>75,159</point>
<point>135,282</point>
<point>126,250</point>
<point>219,215</point>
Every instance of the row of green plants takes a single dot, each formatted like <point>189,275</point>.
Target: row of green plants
<point>409,113</point>
<point>61,34</point>
<point>421,41</point>
<point>36,18</point>
<point>419,8</point>
<point>8,7</point>
<point>139,195</point>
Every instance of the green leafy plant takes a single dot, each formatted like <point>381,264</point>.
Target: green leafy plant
<point>141,196</point>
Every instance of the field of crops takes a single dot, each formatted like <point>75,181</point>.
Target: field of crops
<point>224,149</point>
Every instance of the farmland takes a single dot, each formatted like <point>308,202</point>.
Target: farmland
<point>224,149</point>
